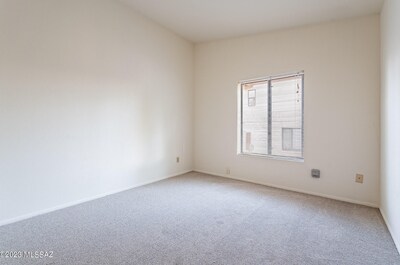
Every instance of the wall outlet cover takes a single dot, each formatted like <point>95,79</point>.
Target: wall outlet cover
<point>359,178</point>
<point>315,173</point>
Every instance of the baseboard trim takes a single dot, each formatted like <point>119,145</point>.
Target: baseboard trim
<point>69,204</point>
<point>292,189</point>
<point>395,240</point>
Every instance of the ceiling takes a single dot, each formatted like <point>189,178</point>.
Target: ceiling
<point>205,20</point>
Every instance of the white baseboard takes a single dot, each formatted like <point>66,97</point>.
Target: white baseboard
<point>395,240</point>
<point>69,204</point>
<point>292,189</point>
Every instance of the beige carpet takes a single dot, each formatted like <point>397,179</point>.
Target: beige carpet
<point>201,219</point>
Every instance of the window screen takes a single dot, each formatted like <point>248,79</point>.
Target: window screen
<point>271,116</point>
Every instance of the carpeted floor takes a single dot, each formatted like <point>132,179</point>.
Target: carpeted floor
<point>201,219</point>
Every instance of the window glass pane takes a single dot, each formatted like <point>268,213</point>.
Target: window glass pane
<point>254,118</point>
<point>286,100</point>
<point>272,117</point>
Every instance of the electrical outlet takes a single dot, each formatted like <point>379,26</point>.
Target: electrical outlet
<point>315,173</point>
<point>359,178</point>
<point>228,171</point>
<point>177,159</point>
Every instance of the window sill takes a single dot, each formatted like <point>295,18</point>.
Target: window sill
<point>281,158</point>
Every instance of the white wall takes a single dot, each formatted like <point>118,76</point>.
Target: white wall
<point>342,74</point>
<point>94,98</point>
<point>390,117</point>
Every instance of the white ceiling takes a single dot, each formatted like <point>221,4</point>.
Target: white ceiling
<point>205,20</point>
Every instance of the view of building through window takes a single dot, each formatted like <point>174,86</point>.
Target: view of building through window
<point>271,116</point>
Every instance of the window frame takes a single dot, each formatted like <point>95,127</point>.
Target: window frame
<point>268,80</point>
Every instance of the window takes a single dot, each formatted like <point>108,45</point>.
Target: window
<point>271,116</point>
<point>291,139</point>
<point>251,97</point>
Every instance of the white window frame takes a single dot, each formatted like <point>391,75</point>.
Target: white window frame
<point>240,117</point>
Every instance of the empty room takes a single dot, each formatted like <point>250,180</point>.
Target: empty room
<point>200,132</point>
